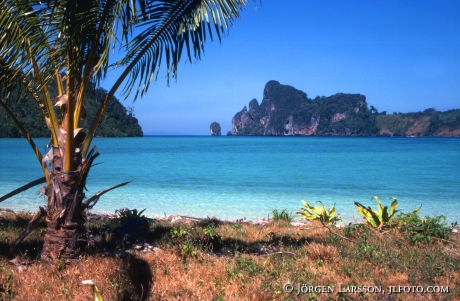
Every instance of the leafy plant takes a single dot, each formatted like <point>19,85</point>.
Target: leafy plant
<point>211,240</point>
<point>184,243</point>
<point>189,250</point>
<point>178,233</point>
<point>210,230</point>
<point>133,221</point>
<point>282,216</point>
<point>354,230</point>
<point>125,214</point>
<point>423,230</point>
<point>321,213</point>
<point>382,216</point>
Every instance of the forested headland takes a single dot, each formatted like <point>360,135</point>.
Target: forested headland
<point>117,122</point>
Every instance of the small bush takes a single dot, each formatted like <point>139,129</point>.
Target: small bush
<point>282,216</point>
<point>183,242</point>
<point>125,214</point>
<point>423,230</point>
<point>191,241</point>
<point>355,230</point>
<point>211,240</point>
<point>133,223</point>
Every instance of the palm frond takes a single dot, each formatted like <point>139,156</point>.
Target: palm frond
<point>164,30</point>
<point>29,138</point>
<point>91,202</point>
<point>24,49</point>
<point>23,188</point>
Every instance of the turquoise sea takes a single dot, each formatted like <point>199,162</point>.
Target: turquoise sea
<point>236,177</point>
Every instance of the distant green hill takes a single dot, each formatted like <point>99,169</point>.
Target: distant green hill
<point>117,122</point>
<point>286,111</point>
<point>427,123</point>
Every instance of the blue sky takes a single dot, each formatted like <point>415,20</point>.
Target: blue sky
<point>403,55</point>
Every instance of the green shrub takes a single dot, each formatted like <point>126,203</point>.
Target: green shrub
<point>211,240</point>
<point>178,233</point>
<point>355,230</point>
<point>133,221</point>
<point>125,214</point>
<point>189,242</point>
<point>184,243</point>
<point>423,230</point>
<point>282,216</point>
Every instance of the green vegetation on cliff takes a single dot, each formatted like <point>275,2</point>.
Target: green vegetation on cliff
<point>427,123</point>
<point>117,122</point>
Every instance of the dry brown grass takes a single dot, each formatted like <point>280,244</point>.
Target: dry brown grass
<point>244,262</point>
<point>55,282</point>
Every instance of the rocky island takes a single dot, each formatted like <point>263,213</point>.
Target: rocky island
<point>287,111</point>
<point>215,129</point>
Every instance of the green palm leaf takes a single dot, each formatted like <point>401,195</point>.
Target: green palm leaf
<point>393,207</point>
<point>24,50</point>
<point>163,31</point>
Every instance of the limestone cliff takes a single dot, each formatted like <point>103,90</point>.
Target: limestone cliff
<point>215,129</point>
<point>286,111</point>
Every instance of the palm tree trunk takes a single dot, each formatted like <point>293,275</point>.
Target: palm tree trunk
<point>65,236</point>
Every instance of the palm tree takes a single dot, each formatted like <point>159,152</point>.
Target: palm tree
<point>70,44</point>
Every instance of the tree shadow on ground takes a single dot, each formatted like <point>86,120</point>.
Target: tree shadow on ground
<point>271,244</point>
<point>212,243</point>
<point>11,227</point>
<point>137,273</point>
<point>140,277</point>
